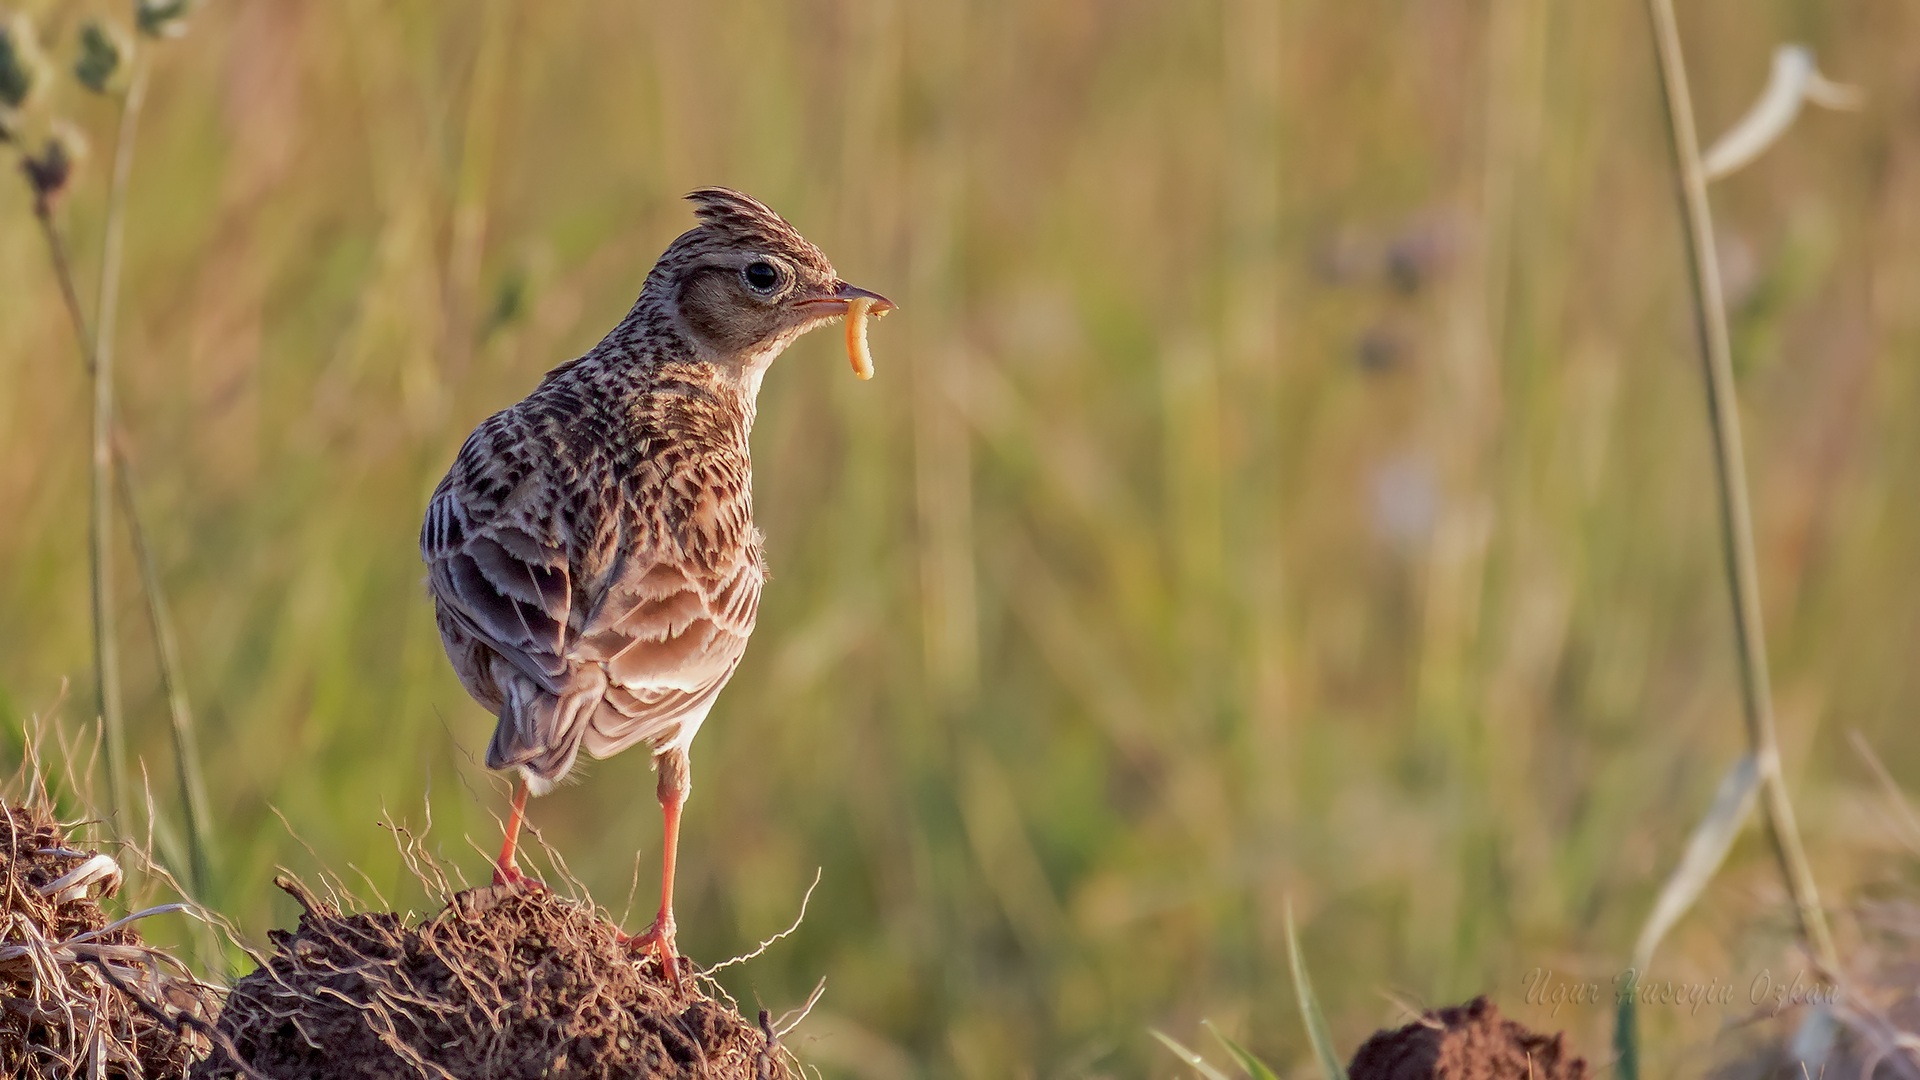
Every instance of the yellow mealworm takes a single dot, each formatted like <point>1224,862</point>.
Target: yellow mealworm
<point>857,336</point>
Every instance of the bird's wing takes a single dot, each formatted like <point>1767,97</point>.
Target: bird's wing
<point>497,582</point>
<point>670,635</point>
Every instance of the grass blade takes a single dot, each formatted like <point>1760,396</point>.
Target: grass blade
<point>1253,1065</point>
<point>1706,850</point>
<point>1626,1040</point>
<point>1317,1032</point>
<point>1200,1064</point>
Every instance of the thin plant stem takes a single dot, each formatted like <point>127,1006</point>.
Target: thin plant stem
<point>106,648</point>
<point>186,749</point>
<point>193,791</point>
<point>63,272</point>
<point>106,653</point>
<point>1736,518</point>
<point>193,794</point>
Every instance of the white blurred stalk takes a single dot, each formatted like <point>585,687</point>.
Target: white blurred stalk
<point>1794,81</point>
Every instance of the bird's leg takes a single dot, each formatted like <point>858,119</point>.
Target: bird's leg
<point>505,872</point>
<point>675,782</point>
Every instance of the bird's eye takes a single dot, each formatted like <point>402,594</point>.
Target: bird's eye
<point>762,276</point>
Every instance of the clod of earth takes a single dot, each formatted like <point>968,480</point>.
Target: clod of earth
<point>66,977</point>
<point>505,982</point>
<point>1466,1042</point>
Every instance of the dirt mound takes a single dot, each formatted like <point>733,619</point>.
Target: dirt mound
<point>68,974</point>
<point>503,983</point>
<point>1465,1042</point>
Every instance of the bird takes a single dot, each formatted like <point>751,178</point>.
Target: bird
<point>591,552</point>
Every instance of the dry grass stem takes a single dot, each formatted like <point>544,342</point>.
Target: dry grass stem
<point>106,647</point>
<point>1736,515</point>
<point>79,994</point>
<point>186,750</point>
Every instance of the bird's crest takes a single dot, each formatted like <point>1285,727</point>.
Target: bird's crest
<point>728,210</point>
<point>740,219</point>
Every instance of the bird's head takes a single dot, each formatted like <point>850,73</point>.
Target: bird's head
<point>743,283</point>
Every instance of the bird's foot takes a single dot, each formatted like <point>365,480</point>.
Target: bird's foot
<point>658,938</point>
<point>507,875</point>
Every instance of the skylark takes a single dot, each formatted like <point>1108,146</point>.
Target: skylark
<point>592,556</point>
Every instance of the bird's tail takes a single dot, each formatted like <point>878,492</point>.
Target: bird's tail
<point>539,732</point>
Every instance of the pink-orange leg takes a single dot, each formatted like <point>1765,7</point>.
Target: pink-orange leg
<point>505,872</point>
<point>673,795</point>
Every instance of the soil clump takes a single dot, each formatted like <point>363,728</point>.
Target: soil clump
<point>1466,1042</point>
<point>505,982</point>
<point>69,974</point>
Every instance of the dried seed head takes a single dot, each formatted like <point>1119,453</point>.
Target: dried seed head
<point>50,171</point>
<point>162,18</point>
<point>22,66</point>
<point>103,54</point>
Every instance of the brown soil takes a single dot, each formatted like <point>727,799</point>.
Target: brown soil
<point>1465,1042</point>
<point>503,983</point>
<point>65,987</point>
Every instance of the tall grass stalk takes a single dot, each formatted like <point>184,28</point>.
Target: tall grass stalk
<point>1730,470</point>
<point>193,789</point>
<point>113,477</point>
<point>106,650</point>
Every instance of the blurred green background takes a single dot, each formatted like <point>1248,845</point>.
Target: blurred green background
<point>1286,476</point>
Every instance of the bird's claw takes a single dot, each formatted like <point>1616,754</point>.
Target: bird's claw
<point>508,876</point>
<point>657,938</point>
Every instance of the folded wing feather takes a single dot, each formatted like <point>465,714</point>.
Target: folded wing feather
<point>641,662</point>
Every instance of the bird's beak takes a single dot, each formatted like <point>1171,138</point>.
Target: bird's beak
<point>843,296</point>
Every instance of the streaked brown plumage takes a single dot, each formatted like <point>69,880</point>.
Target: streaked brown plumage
<point>591,553</point>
